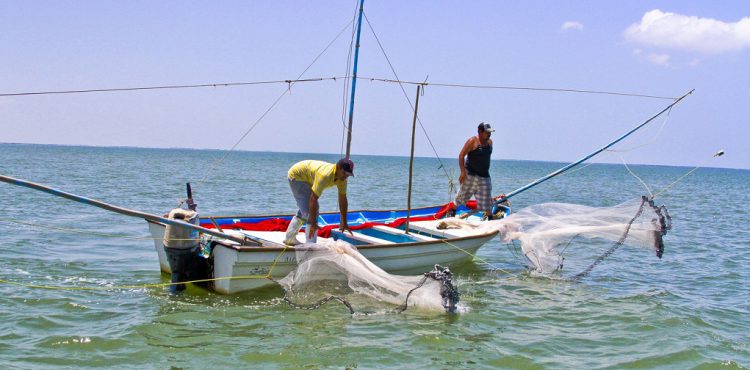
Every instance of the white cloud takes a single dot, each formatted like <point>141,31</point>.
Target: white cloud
<point>572,25</point>
<point>691,33</point>
<point>659,59</point>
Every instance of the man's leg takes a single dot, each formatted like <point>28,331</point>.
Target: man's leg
<point>465,191</point>
<point>301,192</point>
<point>484,196</point>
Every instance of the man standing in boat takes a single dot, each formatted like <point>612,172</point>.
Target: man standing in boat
<point>474,162</point>
<point>308,179</point>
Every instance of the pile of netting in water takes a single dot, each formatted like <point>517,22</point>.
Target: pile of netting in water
<point>335,270</point>
<point>548,231</point>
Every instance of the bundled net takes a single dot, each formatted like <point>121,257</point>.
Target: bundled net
<point>335,270</point>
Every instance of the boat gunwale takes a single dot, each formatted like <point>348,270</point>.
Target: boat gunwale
<point>244,248</point>
<point>322,213</point>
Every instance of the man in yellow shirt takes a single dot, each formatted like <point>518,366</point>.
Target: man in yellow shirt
<point>308,179</point>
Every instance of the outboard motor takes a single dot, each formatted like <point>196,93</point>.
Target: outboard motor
<point>182,246</point>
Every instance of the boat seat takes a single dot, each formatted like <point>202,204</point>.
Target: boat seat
<point>391,230</point>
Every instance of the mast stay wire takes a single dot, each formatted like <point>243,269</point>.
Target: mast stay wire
<point>527,88</point>
<point>700,165</point>
<point>653,141</point>
<point>317,79</point>
<point>407,96</point>
<point>164,87</point>
<point>283,94</point>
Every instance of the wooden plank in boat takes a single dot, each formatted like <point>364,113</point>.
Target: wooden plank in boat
<point>416,237</point>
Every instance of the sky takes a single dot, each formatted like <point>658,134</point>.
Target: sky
<point>656,48</point>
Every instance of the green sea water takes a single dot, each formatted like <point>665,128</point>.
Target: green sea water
<point>688,310</point>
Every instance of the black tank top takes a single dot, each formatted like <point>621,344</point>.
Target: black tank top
<point>478,161</point>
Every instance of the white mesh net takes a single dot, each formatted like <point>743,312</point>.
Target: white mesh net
<point>546,230</point>
<point>335,268</point>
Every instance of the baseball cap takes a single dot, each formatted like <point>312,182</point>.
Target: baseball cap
<point>485,127</point>
<point>346,165</point>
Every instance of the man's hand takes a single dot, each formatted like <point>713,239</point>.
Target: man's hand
<point>312,228</point>
<point>462,178</point>
<point>344,228</point>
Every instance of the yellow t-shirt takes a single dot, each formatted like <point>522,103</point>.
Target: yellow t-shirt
<point>320,175</point>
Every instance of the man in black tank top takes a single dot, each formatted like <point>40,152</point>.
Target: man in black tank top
<point>474,162</point>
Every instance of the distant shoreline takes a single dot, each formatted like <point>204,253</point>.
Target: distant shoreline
<point>355,155</point>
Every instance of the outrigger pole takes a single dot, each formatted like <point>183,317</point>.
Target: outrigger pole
<point>565,168</point>
<point>125,211</point>
<point>354,82</point>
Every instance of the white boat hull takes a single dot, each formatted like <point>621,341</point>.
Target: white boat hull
<point>241,268</point>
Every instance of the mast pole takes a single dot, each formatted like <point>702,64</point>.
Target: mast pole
<point>354,82</point>
<point>569,166</point>
<point>411,160</point>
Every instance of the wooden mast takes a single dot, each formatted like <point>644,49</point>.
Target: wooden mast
<point>411,160</point>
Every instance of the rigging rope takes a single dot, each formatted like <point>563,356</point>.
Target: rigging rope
<point>501,87</point>
<point>317,79</point>
<point>165,87</point>
<point>666,188</point>
<point>406,95</point>
<point>215,164</point>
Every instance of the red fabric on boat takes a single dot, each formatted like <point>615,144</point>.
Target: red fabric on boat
<point>274,224</point>
<point>278,224</point>
<point>325,232</point>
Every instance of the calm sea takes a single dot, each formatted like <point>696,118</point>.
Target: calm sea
<point>689,309</point>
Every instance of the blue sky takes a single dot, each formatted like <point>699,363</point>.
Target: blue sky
<point>662,48</point>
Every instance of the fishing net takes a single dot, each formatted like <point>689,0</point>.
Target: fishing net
<point>550,232</point>
<point>335,270</point>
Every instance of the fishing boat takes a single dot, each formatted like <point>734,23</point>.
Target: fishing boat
<point>242,253</point>
<point>379,235</point>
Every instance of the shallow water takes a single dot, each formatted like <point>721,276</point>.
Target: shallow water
<point>688,309</point>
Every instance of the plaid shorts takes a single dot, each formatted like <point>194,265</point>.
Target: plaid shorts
<point>480,188</point>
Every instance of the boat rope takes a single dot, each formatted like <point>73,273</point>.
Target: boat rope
<point>393,70</point>
<point>645,186</point>
<point>666,188</point>
<point>654,140</point>
<point>526,88</point>
<point>591,155</point>
<point>262,116</point>
<point>126,287</point>
<point>611,150</point>
<point>166,87</point>
<point>290,82</point>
